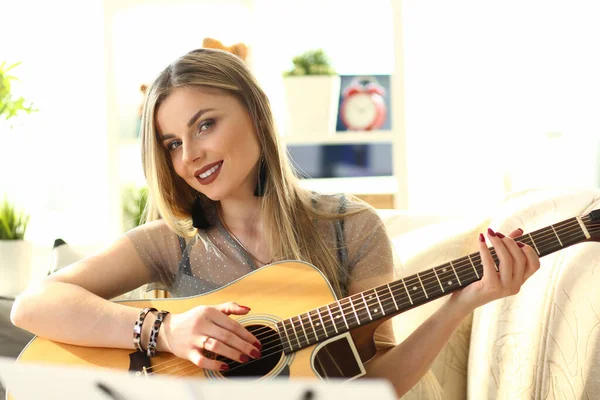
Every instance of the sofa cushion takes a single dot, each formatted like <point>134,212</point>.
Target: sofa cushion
<point>545,341</point>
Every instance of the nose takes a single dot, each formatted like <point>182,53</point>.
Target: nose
<point>191,152</point>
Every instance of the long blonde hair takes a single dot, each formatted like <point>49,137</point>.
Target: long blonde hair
<point>288,209</point>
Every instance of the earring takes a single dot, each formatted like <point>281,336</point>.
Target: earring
<point>259,191</point>
<point>199,220</point>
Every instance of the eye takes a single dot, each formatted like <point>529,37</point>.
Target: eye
<point>205,125</point>
<point>173,145</point>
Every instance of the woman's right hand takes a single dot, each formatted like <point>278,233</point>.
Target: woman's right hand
<point>189,334</point>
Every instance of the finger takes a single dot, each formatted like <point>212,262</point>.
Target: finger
<point>533,260</point>
<point>233,326</point>
<point>516,233</point>
<point>489,269</point>
<point>240,349</point>
<point>199,359</point>
<point>505,262</point>
<point>233,308</point>
<point>217,346</point>
<point>519,263</point>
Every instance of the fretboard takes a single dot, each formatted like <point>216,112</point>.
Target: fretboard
<point>396,297</point>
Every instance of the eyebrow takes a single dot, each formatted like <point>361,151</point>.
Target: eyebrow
<point>190,123</point>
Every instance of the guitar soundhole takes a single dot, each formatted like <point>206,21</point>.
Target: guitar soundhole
<point>271,350</point>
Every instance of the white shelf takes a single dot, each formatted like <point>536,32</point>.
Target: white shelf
<point>344,137</point>
<point>358,185</point>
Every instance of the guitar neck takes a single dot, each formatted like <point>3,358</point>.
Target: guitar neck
<point>404,294</point>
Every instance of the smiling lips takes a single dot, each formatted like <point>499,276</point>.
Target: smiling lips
<point>208,173</point>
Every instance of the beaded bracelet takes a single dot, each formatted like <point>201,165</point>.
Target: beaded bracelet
<point>154,334</point>
<point>137,328</point>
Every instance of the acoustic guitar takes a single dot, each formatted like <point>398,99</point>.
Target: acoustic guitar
<point>303,328</point>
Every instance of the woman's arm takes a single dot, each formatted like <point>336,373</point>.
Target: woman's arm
<point>70,306</point>
<point>404,364</point>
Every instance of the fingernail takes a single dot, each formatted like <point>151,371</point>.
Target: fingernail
<point>501,236</point>
<point>491,232</point>
<point>520,244</point>
<point>244,358</point>
<point>224,367</point>
<point>245,308</point>
<point>519,229</point>
<point>258,345</point>
<point>255,353</point>
<point>481,238</point>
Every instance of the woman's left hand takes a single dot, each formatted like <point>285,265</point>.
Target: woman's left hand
<point>518,262</point>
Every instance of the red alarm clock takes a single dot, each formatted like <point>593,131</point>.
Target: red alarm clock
<point>363,107</point>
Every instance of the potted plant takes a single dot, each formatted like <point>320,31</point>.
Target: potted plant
<point>312,94</point>
<point>134,205</point>
<point>15,251</point>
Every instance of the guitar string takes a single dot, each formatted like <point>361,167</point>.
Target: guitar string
<point>420,297</point>
<point>244,364</point>
<point>567,225</point>
<point>566,228</point>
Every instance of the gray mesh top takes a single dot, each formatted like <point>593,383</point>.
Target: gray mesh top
<point>213,258</point>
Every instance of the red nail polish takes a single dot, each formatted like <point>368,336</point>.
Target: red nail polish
<point>258,345</point>
<point>520,244</point>
<point>224,367</point>
<point>244,358</point>
<point>519,229</point>
<point>255,353</point>
<point>245,308</point>
<point>491,232</point>
<point>481,238</point>
<point>501,236</point>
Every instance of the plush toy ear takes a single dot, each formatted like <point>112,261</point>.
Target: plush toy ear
<point>211,43</point>
<point>240,50</point>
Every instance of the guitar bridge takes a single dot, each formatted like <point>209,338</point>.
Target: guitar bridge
<point>139,363</point>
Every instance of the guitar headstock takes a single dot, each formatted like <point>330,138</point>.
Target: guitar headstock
<point>592,224</point>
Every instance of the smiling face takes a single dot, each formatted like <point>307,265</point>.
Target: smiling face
<point>211,141</point>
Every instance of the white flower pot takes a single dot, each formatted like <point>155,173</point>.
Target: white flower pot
<point>15,266</point>
<point>312,105</point>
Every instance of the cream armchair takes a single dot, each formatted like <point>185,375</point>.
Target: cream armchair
<point>543,343</point>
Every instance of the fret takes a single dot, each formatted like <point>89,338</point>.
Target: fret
<point>303,330</point>
<point>393,297</point>
<point>438,279</point>
<point>474,269</point>
<point>303,340</point>
<point>322,324</point>
<point>455,274</point>
<point>447,277</point>
<point>286,335</point>
<point>379,301</point>
<point>332,320</point>
<point>412,283</point>
<point>421,282</point>
<point>533,242</point>
<point>354,309</point>
<point>295,334</point>
<point>313,326</point>
<point>558,237</point>
<point>366,306</point>
<point>342,313</point>
<point>407,292</point>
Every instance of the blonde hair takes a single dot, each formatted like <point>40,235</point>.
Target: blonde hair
<point>287,208</point>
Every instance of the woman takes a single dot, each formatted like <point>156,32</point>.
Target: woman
<point>224,202</point>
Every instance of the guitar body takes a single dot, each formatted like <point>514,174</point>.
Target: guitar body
<point>274,292</point>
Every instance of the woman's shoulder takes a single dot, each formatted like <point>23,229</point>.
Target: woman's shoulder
<point>153,231</point>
